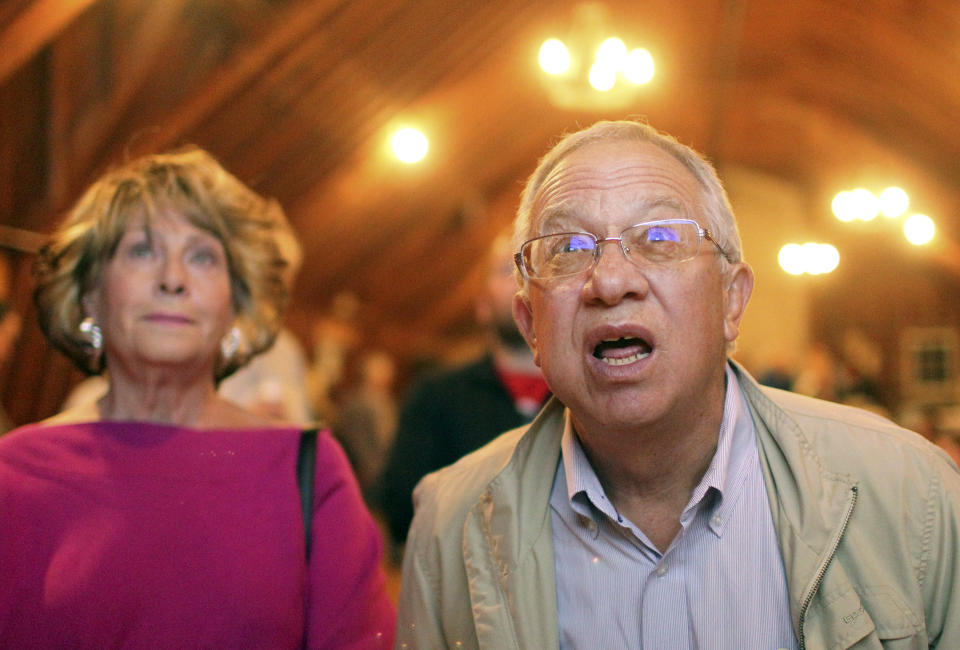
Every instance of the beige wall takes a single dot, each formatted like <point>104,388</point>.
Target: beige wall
<point>771,213</point>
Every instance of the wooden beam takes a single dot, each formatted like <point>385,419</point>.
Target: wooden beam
<point>25,241</point>
<point>290,26</point>
<point>33,29</point>
<point>84,131</point>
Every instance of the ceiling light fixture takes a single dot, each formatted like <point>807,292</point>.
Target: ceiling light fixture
<point>919,229</point>
<point>409,145</point>
<point>590,68</point>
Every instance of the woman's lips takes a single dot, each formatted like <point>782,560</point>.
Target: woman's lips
<point>167,318</point>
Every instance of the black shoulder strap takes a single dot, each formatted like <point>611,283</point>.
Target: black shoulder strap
<point>306,461</point>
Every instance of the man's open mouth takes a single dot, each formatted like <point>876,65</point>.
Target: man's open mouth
<point>621,351</point>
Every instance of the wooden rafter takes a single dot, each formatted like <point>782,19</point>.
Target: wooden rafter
<point>291,26</point>
<point>35,28</point>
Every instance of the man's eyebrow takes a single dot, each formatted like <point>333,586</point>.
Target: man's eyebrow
<point>557,217</point>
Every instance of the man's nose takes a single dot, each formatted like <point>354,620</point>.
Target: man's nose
<point>614,276</point>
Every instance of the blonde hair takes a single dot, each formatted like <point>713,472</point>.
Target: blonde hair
<point>188,182</point>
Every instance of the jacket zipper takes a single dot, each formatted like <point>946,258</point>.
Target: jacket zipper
<point>823,567</point>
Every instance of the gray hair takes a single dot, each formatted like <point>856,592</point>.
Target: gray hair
<point>719,216</point>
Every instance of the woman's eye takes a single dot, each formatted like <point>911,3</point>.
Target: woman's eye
<point>139,250</point>
<point>205,257</point>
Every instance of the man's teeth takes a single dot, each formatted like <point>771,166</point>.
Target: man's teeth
<point>609,351</point>
<point>610,361</point>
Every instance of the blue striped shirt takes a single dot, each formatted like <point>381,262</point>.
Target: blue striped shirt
<point>720,583</point>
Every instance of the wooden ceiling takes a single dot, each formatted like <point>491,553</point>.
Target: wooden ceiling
<point>297,97</point>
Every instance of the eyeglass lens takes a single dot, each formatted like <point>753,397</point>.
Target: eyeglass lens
<point>569,253</point>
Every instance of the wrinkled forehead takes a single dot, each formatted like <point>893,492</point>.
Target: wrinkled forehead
<point>600,177</point>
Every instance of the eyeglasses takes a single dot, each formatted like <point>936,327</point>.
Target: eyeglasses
<point>663,243</point>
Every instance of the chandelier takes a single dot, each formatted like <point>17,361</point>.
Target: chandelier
<point>590,67</point>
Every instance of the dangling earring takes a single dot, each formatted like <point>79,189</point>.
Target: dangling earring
<point>92,333</point>
<point>230,343</point>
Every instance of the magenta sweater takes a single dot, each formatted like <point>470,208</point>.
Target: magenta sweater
<point>139,535</point>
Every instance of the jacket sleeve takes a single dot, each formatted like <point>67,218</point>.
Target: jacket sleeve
<point>940,566</point>
<point>419,620</point>
<point>435,607</point>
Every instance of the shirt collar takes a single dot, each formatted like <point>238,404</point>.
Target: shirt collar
<point>724,476</point>
<point>583,484</point>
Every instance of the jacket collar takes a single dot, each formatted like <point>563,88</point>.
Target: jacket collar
<point>508,540</point>
<point>811,507</point>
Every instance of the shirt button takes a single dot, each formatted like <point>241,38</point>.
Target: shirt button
<point>662,570</point>
<point>716,520</point>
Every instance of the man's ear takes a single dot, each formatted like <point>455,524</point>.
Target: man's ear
<point>739,283</point>
<point>523,316</point>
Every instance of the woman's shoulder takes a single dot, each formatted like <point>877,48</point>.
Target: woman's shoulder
<point>67,423</point>
<point>86,412</point>
<point>224,414</point>
<point>224,418</point>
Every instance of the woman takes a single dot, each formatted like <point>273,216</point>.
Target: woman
<point>163,515</point>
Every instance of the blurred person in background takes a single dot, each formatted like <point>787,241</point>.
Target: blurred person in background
<point>940,424</point>
<point>163,515</point>
<point>10,322</point>
<point>367,418</point>
<point>454,412</point>
<point>334,339</point>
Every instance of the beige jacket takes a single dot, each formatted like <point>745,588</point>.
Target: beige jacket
<point>867,517</point>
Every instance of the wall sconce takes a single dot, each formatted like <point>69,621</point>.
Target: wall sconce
<point>919,229</point>
<point>862,205</point>
<point>808,259</point>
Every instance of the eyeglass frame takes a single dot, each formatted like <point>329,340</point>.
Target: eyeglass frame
<point>702,233</point>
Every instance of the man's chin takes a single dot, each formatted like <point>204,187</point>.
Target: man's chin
<point>620,411</point>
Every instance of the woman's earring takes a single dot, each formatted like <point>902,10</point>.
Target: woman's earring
<point>92,333</point>
<point>230,343</point>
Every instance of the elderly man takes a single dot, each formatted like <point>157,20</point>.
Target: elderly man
<point>663,499</point>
